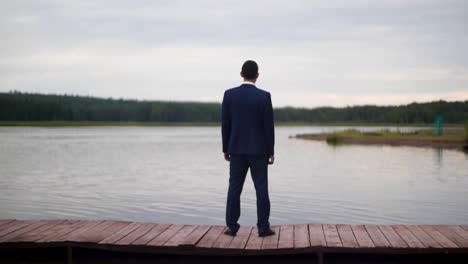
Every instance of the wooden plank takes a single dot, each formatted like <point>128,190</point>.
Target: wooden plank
<point>437,236</point>
<point>120,234</point>
<point>85,233</point>
<point>100,232</point>
<point>240,240</point>
<point>223,241</point>
<point>180,236</point>
<point>347,236</point>
<point>211,236</point>
<point>465,227</point>
<point>62,229</point>
<point>36,234</point>
<point>407,236</point>
<point>271,242</point>
<point>317,237</point>
<point>165,235</point>
<point>116,227</point>
<point>453,235</point>
<point>362,237</point>
<point>135,234</point>
<point>331,236</point>
<point>301,236</point>
<point>193,238</point>
<point>68,225</point>
<point>377,236</point>
<point>154,232</point>
<point>423,237</point>
<point>255,242</point>
<point>75,226</point>
<point>395,240</point>
<point>13,226</point>
<point>12,235</point>
<point>286,238</point>
<point>5,221</point>
<point>462,232</point>
<point>64,233</point>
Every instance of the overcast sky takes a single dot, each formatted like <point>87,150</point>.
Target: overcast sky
<point>310,53</point>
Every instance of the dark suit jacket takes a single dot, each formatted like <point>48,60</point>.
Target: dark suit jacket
<point>247,121</point>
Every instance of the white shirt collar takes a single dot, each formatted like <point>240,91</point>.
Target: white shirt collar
<point>247,82</point>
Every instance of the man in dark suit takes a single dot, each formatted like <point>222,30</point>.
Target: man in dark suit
<point>248,142</point>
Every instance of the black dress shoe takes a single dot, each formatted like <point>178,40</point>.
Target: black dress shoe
<point>229,232</point>
<point>266,232</point>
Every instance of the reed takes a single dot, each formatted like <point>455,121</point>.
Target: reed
<point>466,133</point>
<point>333,139</point>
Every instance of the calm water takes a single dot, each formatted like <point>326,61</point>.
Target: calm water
<point>178,175</point>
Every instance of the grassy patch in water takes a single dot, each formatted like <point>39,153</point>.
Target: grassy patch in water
<point>339,136</point>
<point>333,139</point>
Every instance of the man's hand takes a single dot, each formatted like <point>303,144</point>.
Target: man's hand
<point>271,159</point>
<point>227,157</point>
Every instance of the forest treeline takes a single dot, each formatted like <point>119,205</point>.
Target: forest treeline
<point>17,106</point>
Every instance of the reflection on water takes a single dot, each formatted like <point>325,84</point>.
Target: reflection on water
<point>178,175</point>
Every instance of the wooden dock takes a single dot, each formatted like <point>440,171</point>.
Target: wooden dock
<point>209,240</point>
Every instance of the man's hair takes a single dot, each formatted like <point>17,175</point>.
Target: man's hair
<point>249,70</point>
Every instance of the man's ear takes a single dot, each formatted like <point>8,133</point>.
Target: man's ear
<point>241,75</point>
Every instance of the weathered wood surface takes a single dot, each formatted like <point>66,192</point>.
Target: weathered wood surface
<point>207,239</point>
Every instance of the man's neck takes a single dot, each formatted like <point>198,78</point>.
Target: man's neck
<point>251,82</point>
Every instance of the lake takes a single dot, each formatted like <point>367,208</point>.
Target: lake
<point>178,175</point>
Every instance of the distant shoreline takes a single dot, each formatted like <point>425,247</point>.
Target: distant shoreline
<point>201,124</point>
<point>27,109</point>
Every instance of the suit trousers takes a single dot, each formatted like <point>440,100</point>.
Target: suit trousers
<point>238,167</point>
